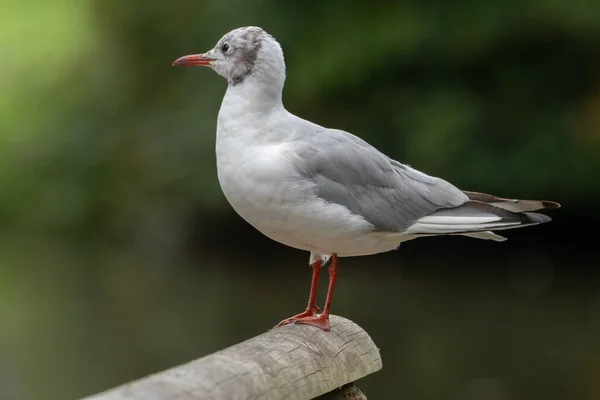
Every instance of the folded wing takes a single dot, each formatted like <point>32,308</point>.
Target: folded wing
<point>346,170</point>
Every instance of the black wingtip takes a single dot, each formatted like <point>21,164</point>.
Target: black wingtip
<point>550,205</point>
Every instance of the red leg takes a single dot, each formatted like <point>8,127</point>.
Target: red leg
<point>322,320</point>
<point>314,286</point>
<point>311,309</point>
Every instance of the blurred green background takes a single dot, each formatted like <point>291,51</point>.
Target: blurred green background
<point>120,257</point>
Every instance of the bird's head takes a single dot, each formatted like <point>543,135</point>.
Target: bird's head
<point>243,53</point>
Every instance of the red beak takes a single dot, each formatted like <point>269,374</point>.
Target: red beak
<point>193,60</point>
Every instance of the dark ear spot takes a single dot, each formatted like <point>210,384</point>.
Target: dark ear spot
<point>245,56</point>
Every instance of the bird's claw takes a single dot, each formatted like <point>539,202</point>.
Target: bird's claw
<point>308,317</point>
<point>306,314</point>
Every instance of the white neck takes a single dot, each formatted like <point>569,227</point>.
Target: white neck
<point>254,97</point>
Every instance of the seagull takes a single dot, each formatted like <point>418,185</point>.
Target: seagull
<point>323,190</point>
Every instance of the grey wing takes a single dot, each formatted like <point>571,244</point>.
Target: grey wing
<point>348,171</point>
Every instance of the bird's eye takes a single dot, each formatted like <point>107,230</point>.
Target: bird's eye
<point>225,47</point>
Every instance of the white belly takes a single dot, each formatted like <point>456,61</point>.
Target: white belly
<point>263,188</point>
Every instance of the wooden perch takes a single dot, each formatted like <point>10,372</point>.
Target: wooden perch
<point>294,362</point>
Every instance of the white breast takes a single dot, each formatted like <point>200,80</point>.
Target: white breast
<point>259,185</point>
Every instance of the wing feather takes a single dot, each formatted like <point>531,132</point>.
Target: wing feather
<point>346,170</point>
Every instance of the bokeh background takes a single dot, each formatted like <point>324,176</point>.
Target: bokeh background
<point>120,257</point>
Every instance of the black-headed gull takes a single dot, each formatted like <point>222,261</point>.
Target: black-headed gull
<point>324,190</point>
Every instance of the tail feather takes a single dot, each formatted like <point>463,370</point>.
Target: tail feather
<point>475,218</point>
<point>486,235</point>
<point>513,205</point>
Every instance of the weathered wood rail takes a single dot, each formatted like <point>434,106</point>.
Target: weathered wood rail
<point>294,362</point>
